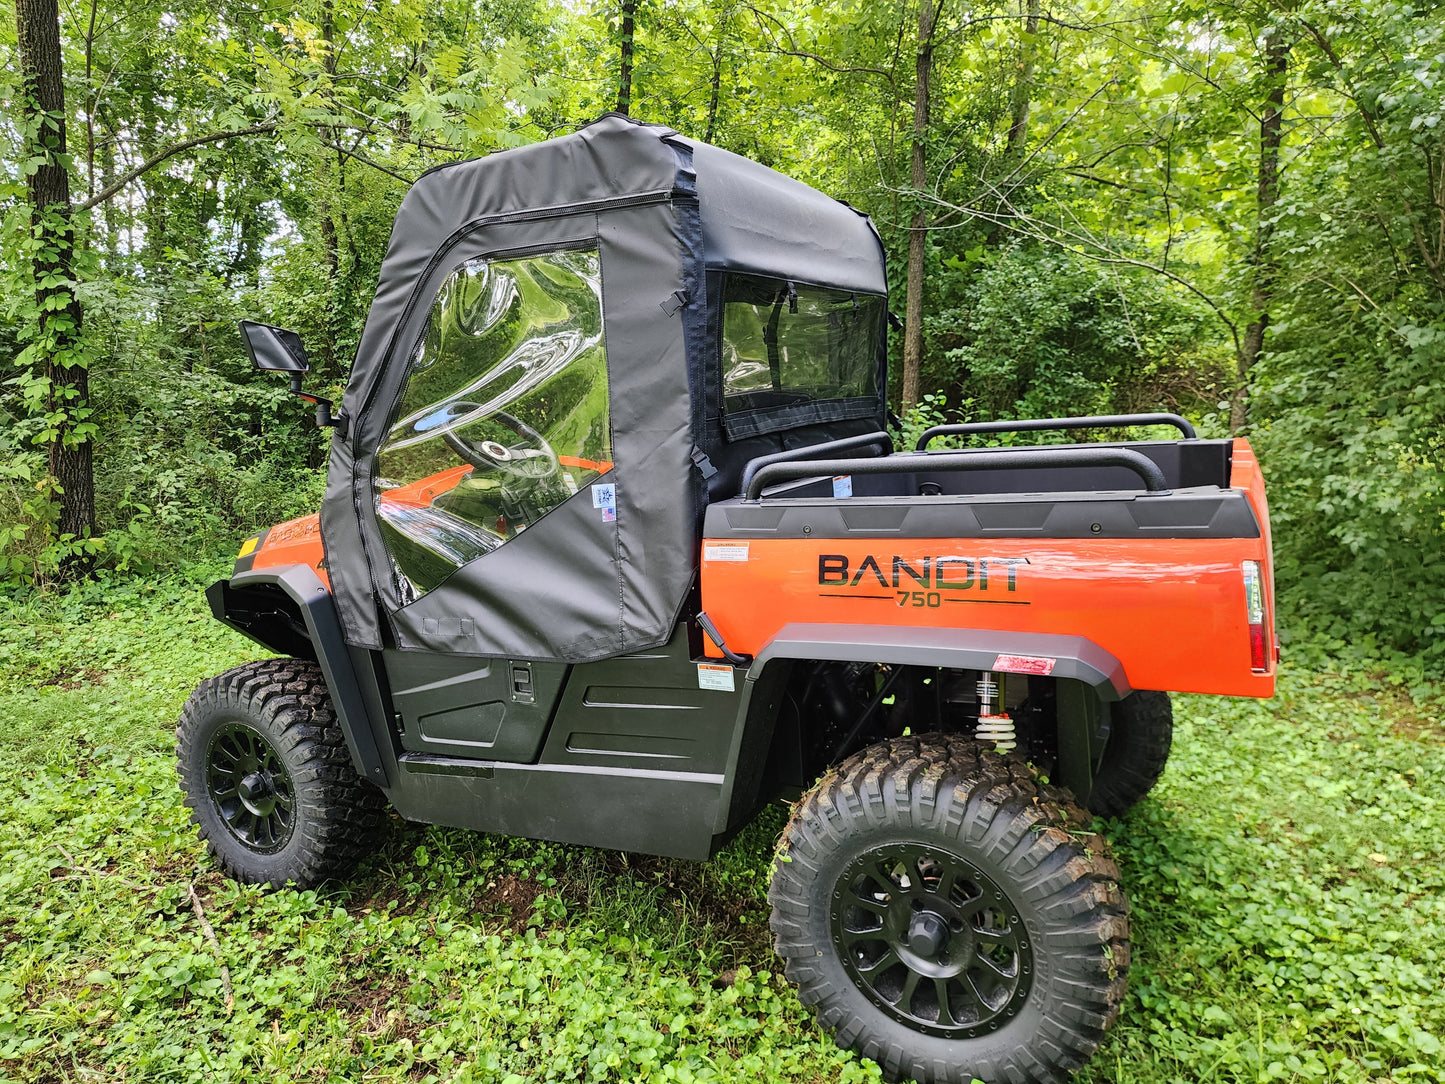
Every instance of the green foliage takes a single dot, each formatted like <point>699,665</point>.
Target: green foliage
<point>1287,880</point>
<point>1036,332</point>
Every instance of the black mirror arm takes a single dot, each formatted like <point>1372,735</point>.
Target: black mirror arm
<point>324,418</point>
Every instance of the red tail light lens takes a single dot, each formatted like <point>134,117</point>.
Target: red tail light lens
<point>1254,612</point>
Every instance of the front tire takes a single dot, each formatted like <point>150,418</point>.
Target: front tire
<point>268,777</point>
<point>931,902</point>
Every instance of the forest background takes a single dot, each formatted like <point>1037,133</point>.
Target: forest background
<point>1232,210</point>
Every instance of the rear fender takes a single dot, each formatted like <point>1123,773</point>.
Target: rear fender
<point>1089,678</point>
<point>1038,653</point>
<point>289,610</point>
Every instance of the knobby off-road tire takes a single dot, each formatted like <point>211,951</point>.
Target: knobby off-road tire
<point>967,868</point>
<point>268,778</point>
<point>1141,729</point>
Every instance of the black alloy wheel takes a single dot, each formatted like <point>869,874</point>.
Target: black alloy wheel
<point>268,777</point>
<point>250,788</point>
<point>932,940</point>
<point>951,917</point>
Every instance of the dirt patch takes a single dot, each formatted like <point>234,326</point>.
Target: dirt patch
<point>1411,725</point>
<point>1408,720</point>
<point>70,680</point>
<point>510,896</point>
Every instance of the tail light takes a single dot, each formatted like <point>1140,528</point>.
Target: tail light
<point>1254,612</point>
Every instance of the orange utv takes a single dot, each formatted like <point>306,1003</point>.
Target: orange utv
<point>616,548</point>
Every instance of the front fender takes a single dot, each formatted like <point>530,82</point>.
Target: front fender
<point>309,628</point>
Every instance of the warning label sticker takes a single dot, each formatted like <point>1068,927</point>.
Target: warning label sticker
<point>724,551</point>
<point>1025,664</point>
<point>717,676</point>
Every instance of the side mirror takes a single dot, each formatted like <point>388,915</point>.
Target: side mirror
<point>276,350</point>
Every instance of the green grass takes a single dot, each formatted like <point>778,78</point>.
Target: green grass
<point>1287,878</point>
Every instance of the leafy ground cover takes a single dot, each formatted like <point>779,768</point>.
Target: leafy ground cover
<point>1287,878</point>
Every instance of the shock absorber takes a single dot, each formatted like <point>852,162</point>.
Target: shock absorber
<point>997,728</point>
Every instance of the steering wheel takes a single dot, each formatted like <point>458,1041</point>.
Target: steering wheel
<point>533,459</point>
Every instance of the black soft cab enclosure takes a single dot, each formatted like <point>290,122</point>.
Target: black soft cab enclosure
<point>572,346</point>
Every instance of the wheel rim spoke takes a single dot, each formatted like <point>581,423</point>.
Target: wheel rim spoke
<point>945,1010</point>
<point>880,965</point>
<point>971,989</point>
<point>857,937</point>
<point>992,965</point>
<point>910,987</point>
<point>877,907</point>
<point>883,873</point>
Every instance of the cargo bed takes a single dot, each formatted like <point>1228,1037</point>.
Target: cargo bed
<point>1139,547</point>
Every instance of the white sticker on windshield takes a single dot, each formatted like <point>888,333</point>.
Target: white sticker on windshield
<point>604,495</point>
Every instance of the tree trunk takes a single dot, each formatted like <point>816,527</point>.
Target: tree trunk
<point>918,224</point>
<point>1271,135</point>
<point>330,197</point>
<point>624,81</point>
<point>715,84</point>
<point>58,330</point>
<point>1021,96</point>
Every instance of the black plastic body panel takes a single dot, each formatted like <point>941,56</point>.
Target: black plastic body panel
<point>626,809</point>
<point>645,711</point>
<point>637,757</point>
<point>1036,461</point>
<point>493,709</point>
<point>1185,464</point>
<point>1082,729</point>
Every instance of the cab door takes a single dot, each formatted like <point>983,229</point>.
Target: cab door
<point>503,420</point>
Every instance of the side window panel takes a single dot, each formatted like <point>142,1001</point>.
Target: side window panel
<point>794,354</point>
<point>504,414</point>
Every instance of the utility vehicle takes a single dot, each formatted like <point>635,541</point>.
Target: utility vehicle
<point>615,549</point>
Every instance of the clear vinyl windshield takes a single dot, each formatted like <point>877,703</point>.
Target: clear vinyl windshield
<point>504,414</point>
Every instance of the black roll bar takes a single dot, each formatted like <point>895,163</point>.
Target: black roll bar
<point>1100,421</point>
<point>989,459</point>
<point>878,439</point>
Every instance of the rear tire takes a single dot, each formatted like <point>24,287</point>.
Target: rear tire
<point>268,777</point>
<point>1141,730</point>
<point>926,872</point>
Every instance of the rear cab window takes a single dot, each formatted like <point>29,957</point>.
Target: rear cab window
<point>793,354</point>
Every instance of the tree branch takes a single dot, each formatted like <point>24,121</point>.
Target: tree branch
<point>170,152</point>
<point>793,50</point>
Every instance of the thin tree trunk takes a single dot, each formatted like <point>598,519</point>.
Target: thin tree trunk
<point>624,81</point>
<point>329,241</point>
<point>42,112</point>
<point>715,85</point>
<point>1271,135</point>
<point>1021,96</point>
<point>918,224</point>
